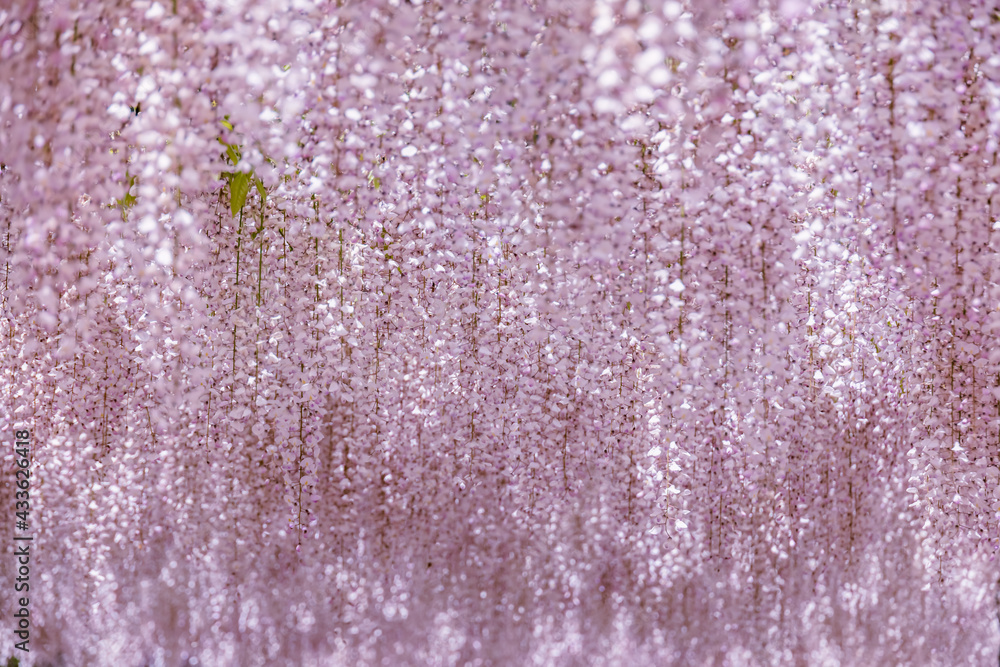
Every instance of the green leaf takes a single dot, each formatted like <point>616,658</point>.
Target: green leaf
<point>128,200</point>
<point>260,189</point>
<point>281,230</point>
<point>239,186</point>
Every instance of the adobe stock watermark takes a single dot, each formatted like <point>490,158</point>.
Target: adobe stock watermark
<point>22,537</point>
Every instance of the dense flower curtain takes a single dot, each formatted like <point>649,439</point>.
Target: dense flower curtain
<point>502,332</point>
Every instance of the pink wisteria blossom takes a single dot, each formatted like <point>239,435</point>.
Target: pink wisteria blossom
<point>497,332</point>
